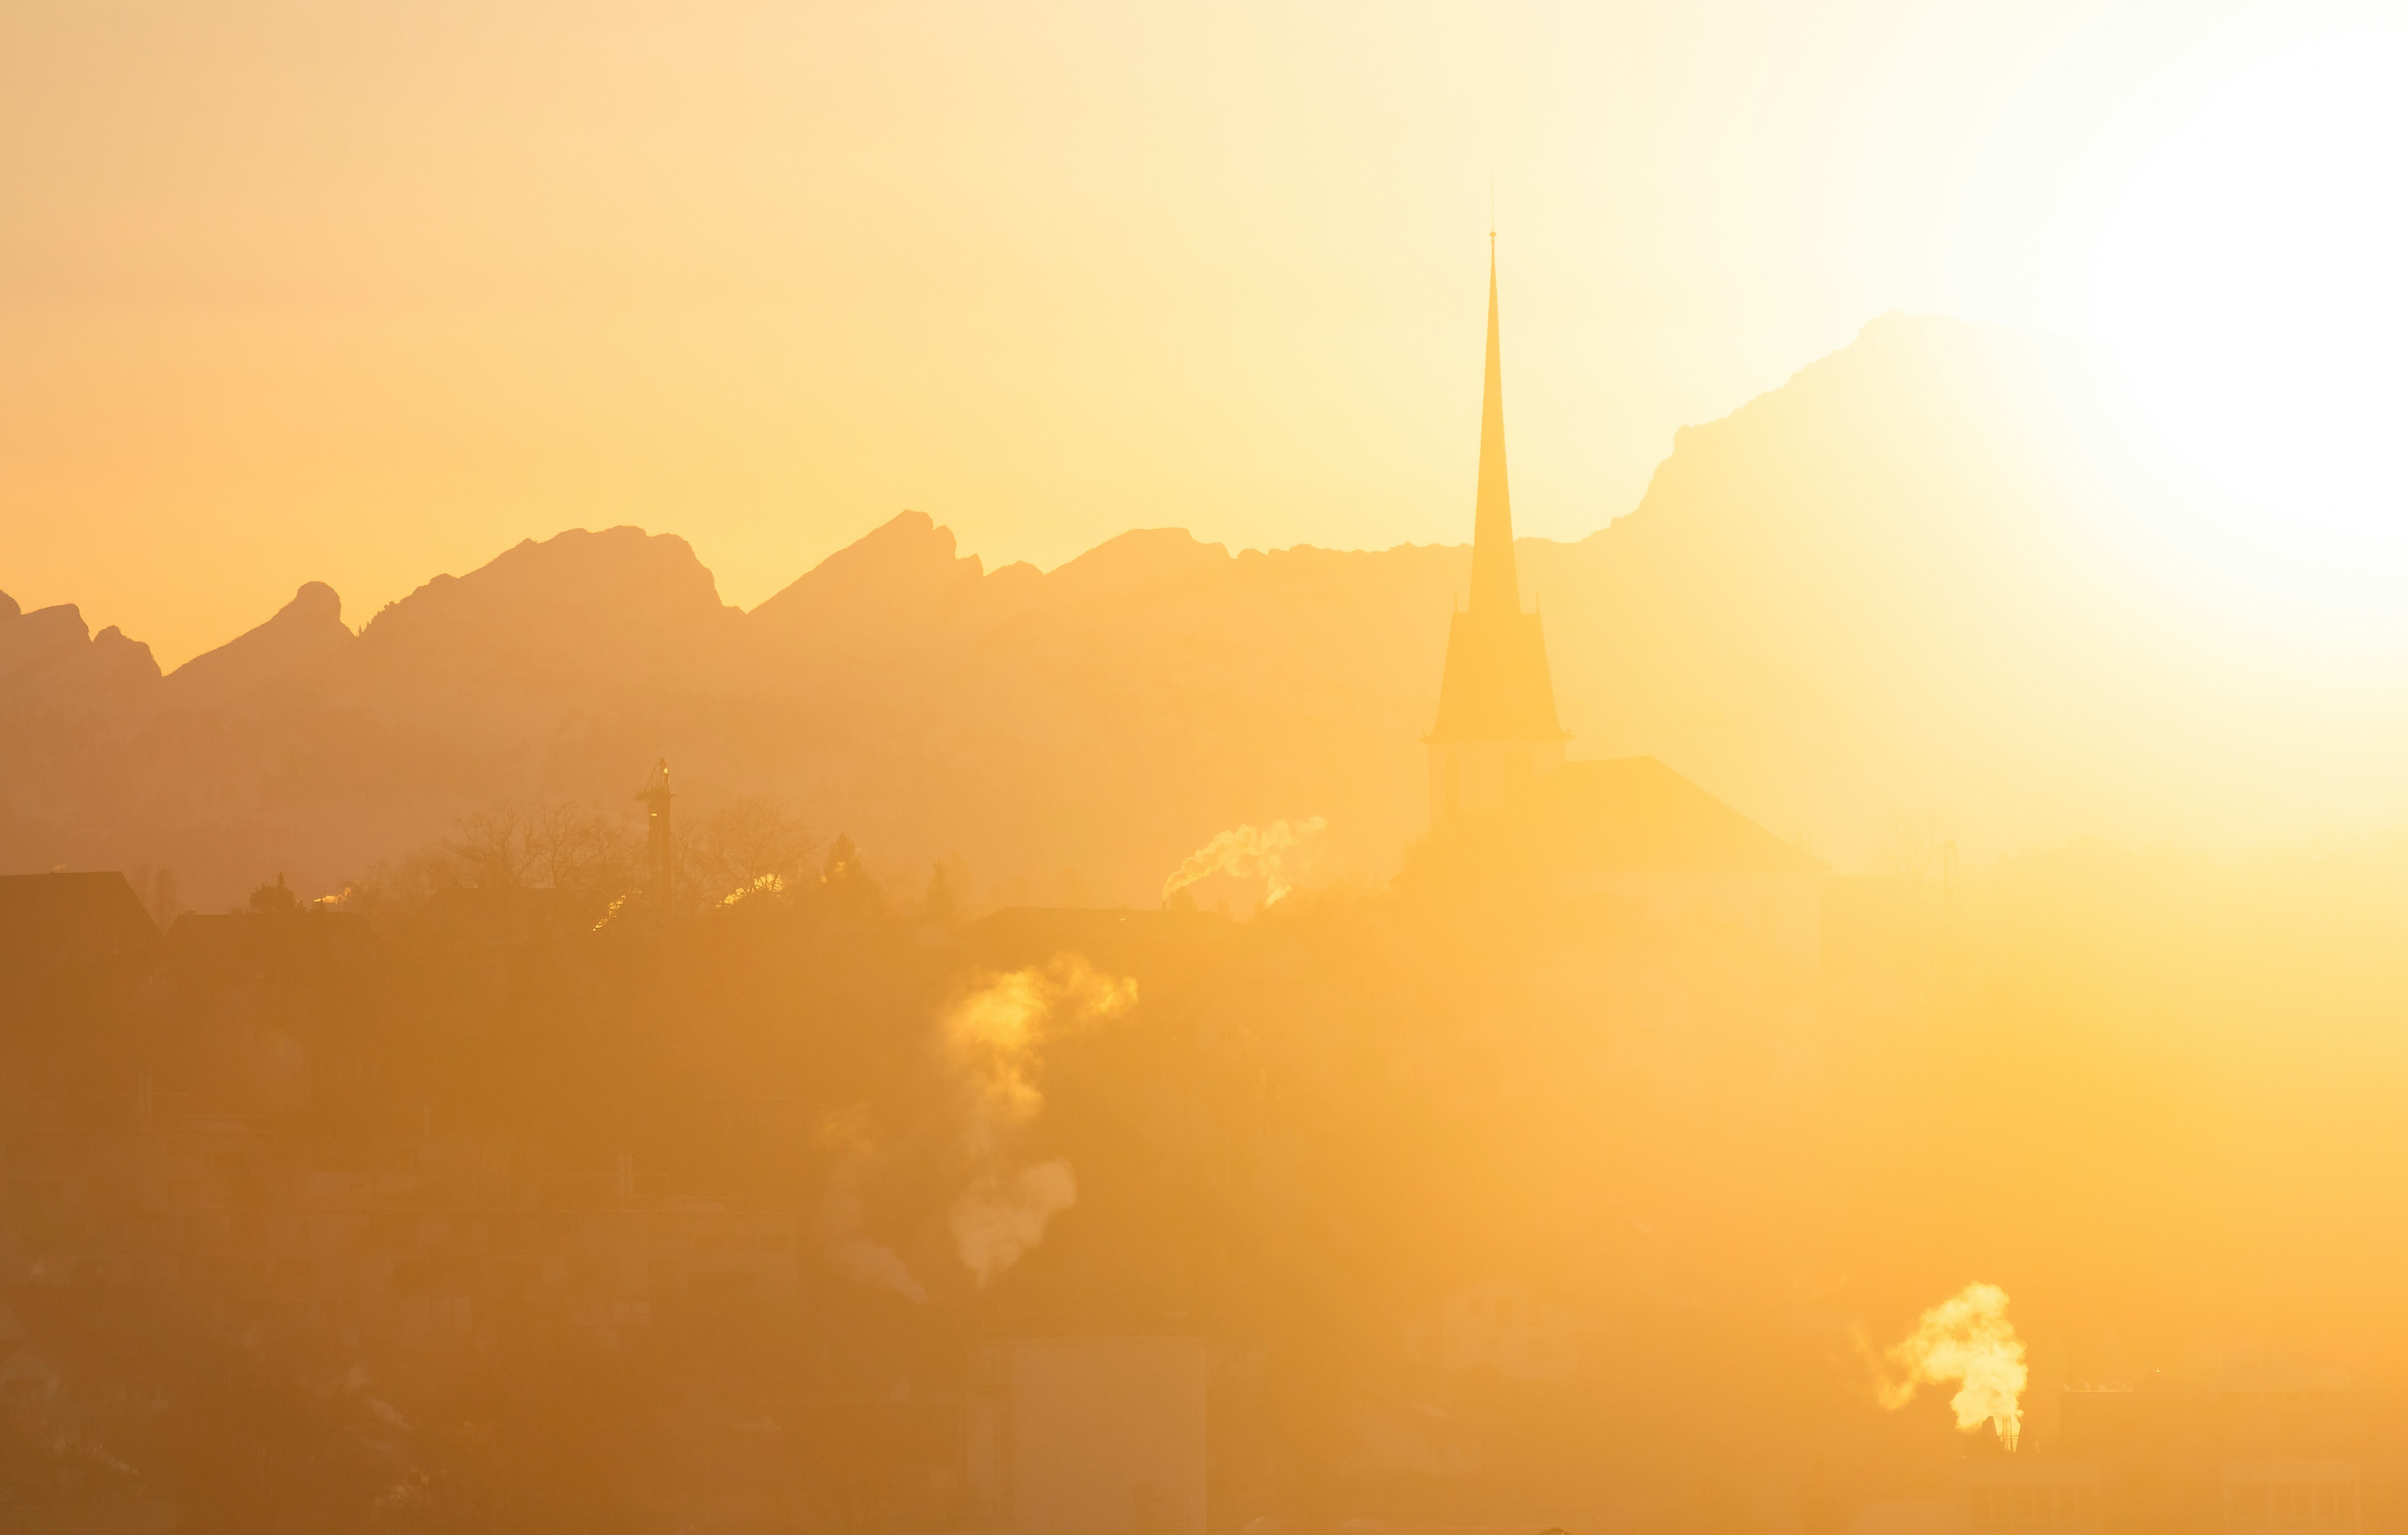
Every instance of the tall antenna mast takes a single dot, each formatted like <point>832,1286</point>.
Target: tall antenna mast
<point>658,848</point>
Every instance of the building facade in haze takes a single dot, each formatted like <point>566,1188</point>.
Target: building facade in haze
<point>2249,1452</point>
<point>1089,1435</point>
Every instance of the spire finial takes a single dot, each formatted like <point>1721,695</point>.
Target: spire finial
<point>1494,588</point>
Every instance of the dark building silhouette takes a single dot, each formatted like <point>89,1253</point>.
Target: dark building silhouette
<point>1496,728</point>
<point>75,951</point>
<point>66,937</point>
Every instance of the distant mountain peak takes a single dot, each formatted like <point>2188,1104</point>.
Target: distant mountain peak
<point>306,634</point>
<point>315,602</point>
<point>1140,558</point>
<point>53,647</point>
<point>908,563</point>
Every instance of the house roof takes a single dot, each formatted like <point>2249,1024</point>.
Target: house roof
<point>74,920</point>
<point>1635,814</point>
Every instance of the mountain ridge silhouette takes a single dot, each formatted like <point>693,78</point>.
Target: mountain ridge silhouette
<point>1895,584</point>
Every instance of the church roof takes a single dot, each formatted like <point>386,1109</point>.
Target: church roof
<point>1636,816</point>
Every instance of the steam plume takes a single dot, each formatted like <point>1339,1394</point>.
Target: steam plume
<point>1967,1339</point>
<point>997,1219</point>
<point>863,1259</point>
<point>879,1265</point>
<point>993,1038</point>
<point>1248,854</point>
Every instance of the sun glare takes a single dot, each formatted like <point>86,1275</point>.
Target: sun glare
<point>2250,285</point>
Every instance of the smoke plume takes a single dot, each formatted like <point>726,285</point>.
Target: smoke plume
<point>1967,1339</point>
<point>997,1219</point>
<point>993,1040</point>
<point>862,1258</point>
<point>1247,853</point>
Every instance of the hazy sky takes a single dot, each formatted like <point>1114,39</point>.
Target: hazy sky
<point>364,293</point>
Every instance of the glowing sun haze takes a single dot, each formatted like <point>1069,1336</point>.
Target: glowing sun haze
<point>2250,285</point>
<point>360,295</point>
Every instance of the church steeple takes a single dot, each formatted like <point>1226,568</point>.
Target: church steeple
<point>1494,587</point>
<point>1496,730</point>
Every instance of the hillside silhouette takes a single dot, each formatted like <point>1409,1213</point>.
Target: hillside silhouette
<point>1903,584</point>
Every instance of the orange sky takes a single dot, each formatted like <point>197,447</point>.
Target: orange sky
<point>360,294</point>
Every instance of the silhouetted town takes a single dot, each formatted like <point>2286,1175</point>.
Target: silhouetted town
<point>647,1164</point>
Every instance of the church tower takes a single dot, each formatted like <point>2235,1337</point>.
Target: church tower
<point>1496,726</point>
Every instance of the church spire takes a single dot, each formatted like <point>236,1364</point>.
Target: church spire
<point>1494,586</point>
<point>1496,728</point>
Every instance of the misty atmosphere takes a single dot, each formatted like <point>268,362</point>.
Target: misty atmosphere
<point>1855,987</point>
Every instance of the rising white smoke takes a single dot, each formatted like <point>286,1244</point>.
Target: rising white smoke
<point>1967,1339</point>
<point>993,1040</point>
<point>876,1265</point>
<point>1268,855</point>
<point>999,1218</point>
<point>864,1259</point>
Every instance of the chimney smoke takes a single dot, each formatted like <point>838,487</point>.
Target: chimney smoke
<point>1246,854</point>
<point>1967,1339</point>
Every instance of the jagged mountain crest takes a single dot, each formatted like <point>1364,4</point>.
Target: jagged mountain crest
<point>299,646</point>
<point>1890,585</point>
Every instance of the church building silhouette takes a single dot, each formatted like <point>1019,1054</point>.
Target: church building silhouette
<point>1496,728</point>
<point>1628,830</point>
